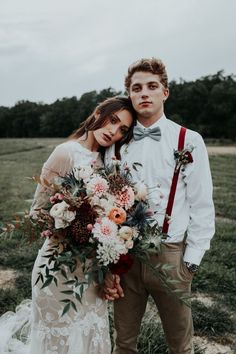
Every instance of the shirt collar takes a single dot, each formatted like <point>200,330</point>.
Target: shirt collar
<point>161,123</point>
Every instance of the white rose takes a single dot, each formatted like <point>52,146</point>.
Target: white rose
<point>62,215</point>
<point>141,191</point>
<point>126,233</point>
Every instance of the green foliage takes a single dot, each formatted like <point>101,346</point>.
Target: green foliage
<point>211,321</point>
<point>10,298</point>
<point>20,158</point>
<point>59,119</point>
<point>224,181</point>
<point>18,255</point>
<point>217,273</point>
<point>202,105</point>
<point>151,339</point>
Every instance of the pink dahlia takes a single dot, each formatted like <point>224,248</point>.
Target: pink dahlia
<point>125,198</point>
<point>104,229</point>
<point>97,186</point>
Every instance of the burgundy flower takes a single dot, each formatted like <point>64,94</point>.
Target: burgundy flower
<point>189,157</point>
<point>123,265</point>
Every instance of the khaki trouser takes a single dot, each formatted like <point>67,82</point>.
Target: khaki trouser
<point>176,317</point>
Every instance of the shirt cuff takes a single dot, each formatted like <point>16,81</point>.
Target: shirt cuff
<point>193,255</point>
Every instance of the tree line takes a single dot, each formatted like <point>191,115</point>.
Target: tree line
<point>207,105</point>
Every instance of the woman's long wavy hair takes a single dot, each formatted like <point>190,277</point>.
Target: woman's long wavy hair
<point>104,111</point>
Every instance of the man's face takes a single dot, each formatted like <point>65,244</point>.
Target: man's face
<point>147,95</point>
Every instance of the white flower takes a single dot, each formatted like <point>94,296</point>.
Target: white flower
<point>109,252</point>
<point>95,200</point>
<point>190,147</point>
<point>141,191</point>
<point>62,215</point>
<point>105,204</point>
<point>136,233</point>
<point>153,241</point>
<point>83,172</point>
<point>129,244</point>
<point>105,229</point>
<point>126,233</point>
<point>115,161</point>
<point>97,185</point>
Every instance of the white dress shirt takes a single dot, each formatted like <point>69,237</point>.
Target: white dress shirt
<point>193,209</point>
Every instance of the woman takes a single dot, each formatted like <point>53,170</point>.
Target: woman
<point>85,331</point>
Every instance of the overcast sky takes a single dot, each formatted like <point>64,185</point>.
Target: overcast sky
<point>51,49</point>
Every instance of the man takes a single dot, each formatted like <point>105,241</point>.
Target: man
<point>191,224</point>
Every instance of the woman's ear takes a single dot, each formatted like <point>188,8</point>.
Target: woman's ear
<point>97,114</point>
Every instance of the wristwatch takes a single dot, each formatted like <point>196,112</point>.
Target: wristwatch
<point>192,268</point>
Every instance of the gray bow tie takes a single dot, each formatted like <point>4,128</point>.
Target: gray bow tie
<point>139,133</point>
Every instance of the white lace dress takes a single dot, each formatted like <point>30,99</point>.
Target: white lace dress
<point>82,332</point>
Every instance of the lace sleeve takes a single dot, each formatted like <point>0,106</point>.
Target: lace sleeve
<point>58,164</point>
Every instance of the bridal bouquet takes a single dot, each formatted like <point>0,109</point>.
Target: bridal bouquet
<point>99,218</point>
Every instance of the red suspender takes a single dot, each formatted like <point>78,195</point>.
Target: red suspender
<point>173,185</point>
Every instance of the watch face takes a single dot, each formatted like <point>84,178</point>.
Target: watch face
<point>191,267</point>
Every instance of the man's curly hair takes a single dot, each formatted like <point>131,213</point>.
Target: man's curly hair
<point>152,65</point>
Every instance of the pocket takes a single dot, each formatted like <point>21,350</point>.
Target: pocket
<point>185,272</point>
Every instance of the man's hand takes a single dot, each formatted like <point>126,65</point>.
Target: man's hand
<point>112,289</point>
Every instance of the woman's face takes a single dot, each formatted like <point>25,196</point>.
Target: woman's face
<point>115,129</point>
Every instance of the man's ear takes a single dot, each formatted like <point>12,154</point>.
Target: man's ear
<point>166,93</point>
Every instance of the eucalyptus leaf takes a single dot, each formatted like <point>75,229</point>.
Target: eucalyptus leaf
<point>78,297</point>
<point>63,272</point>
<point>65,300</point>
<point>37,280</point>
<point>66,309</point>
<point>47,282</point>
<point>67,292</point>
<point>81,290</point>
<point>73,305</point>
<point>68,282</point>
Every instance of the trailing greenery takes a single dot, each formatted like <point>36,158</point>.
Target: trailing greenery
<point>201,105</point>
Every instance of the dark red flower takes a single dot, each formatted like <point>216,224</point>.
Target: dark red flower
<point>123,265</point>
<point>189,157</point>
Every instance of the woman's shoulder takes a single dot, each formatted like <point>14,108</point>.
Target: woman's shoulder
<point>69,145</point>
<point>61,153</point>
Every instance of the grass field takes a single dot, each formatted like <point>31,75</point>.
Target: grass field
<point>214,287</point>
